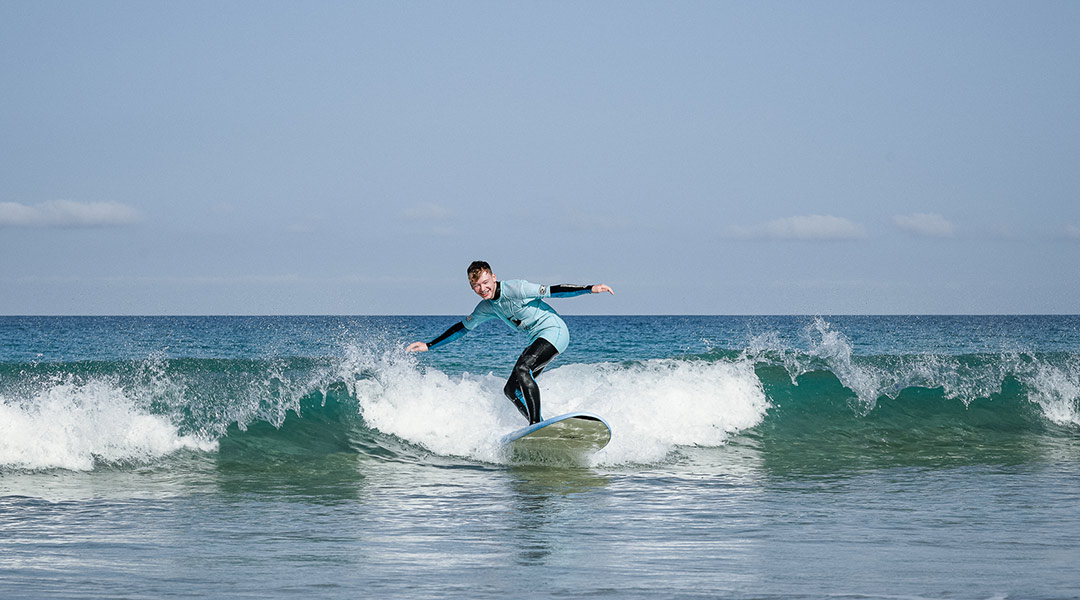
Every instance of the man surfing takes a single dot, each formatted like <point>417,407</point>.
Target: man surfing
<point>520,305</point>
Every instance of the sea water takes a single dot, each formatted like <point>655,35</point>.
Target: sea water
<point>752,457</point>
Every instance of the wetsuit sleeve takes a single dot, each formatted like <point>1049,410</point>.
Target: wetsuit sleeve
<point>565,290</point>
<point>456,330</point>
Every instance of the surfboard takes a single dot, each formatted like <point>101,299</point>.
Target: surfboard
<point>572,436</point>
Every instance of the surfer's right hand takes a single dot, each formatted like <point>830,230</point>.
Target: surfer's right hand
<point>417,347</point>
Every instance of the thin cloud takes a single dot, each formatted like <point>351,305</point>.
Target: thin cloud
<point>1072,232</point>
<point>67,213</point>
<point>428,211</point>
<point>806,228</point>
<point>925,225</point>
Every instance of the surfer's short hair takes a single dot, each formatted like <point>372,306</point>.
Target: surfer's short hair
<point>476,268</point>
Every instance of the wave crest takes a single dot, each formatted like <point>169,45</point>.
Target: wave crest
<point>1052,382</point>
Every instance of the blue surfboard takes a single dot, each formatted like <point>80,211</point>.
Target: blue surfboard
<point>572,436</point>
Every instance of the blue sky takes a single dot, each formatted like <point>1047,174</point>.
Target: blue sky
<point>700,157</point>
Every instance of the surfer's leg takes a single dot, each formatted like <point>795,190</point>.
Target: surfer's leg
<point>514,394</point>
<point>521,388</point>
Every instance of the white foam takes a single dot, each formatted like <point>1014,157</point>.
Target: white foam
<point>657,405</point>
<point>1057,392</point>
<point>652,407</point>
<point>451,417</point>
<point>74,425</point>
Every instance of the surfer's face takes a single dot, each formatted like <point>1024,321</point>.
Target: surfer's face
<point>484,285</point>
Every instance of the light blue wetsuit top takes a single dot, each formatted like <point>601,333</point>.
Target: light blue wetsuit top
<point>518,303</point>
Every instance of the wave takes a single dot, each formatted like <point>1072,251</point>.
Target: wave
<point>795,406</point>
<point>1050,381</point>
<point>377,404</point>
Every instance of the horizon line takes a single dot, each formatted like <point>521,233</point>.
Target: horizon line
<point>453,315</point>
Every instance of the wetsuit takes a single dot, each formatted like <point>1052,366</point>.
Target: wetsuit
<point>520,305</point>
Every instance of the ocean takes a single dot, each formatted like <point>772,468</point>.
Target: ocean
<point>751,457</point>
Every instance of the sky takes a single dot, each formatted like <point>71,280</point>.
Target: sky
<point>176,158</point>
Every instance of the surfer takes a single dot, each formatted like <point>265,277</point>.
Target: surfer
<point>520,305</point>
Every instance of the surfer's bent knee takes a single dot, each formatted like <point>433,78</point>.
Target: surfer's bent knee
<point>521,388</point>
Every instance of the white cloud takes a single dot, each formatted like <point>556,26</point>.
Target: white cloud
<point>66,213</point>
<point>925,225</point>
<point>810,227</point>
<point>428,211</point>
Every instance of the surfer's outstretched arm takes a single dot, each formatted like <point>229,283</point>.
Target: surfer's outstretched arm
<point>483,312</point>
<point>454,332</point>
<point>565,290</point>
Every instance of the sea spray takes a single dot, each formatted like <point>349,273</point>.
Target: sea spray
<point>1056,389</point>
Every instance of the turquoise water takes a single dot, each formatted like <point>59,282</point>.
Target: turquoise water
<point>752,457</point>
